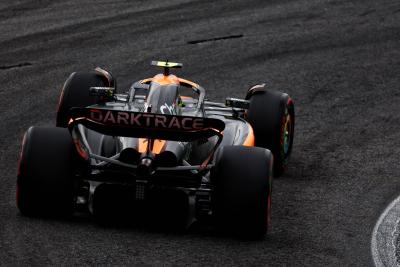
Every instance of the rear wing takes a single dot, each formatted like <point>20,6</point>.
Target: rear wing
<point>146,125</point>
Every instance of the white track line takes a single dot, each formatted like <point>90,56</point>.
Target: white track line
<point>383,241</point>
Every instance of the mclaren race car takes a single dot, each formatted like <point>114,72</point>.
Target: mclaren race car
<point>158,149</point>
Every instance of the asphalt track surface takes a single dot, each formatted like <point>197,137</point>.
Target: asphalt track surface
<point>339,60</point>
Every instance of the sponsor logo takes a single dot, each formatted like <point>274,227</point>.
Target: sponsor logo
<point>167,109</point>
<point>146,120</point>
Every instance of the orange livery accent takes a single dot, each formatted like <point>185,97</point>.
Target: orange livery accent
<point>142,145</point>
<point>194,85</point>
<point>163,79</point>
<point>157,145</point>
<point>249,141</point>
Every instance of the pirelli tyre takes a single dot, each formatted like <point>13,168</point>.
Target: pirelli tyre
<point>44,179</point>
<point>271,114</point>
<point>241,199</point>
<point>75,93</point>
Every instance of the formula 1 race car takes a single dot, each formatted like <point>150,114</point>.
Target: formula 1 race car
<point>159,147</point>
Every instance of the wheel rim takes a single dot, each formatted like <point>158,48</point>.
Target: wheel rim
<point>286,134</point>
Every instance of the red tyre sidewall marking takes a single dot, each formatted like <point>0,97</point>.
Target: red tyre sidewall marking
<point>269,199</point>
<point>60,100</point>
<point>19,167</point>
<point>269,212</point>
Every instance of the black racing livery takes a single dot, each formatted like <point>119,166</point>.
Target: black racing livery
<point>158,150</point>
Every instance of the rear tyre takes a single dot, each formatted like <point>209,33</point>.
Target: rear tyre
<point>44,181</point>
<point>271,114</point>
<point>75,93</point>
<point>242,179</point>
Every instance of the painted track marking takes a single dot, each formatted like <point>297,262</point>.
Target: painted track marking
<point>384,235</point>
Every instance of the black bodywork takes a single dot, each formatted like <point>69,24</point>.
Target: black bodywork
<point>154,137</point>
